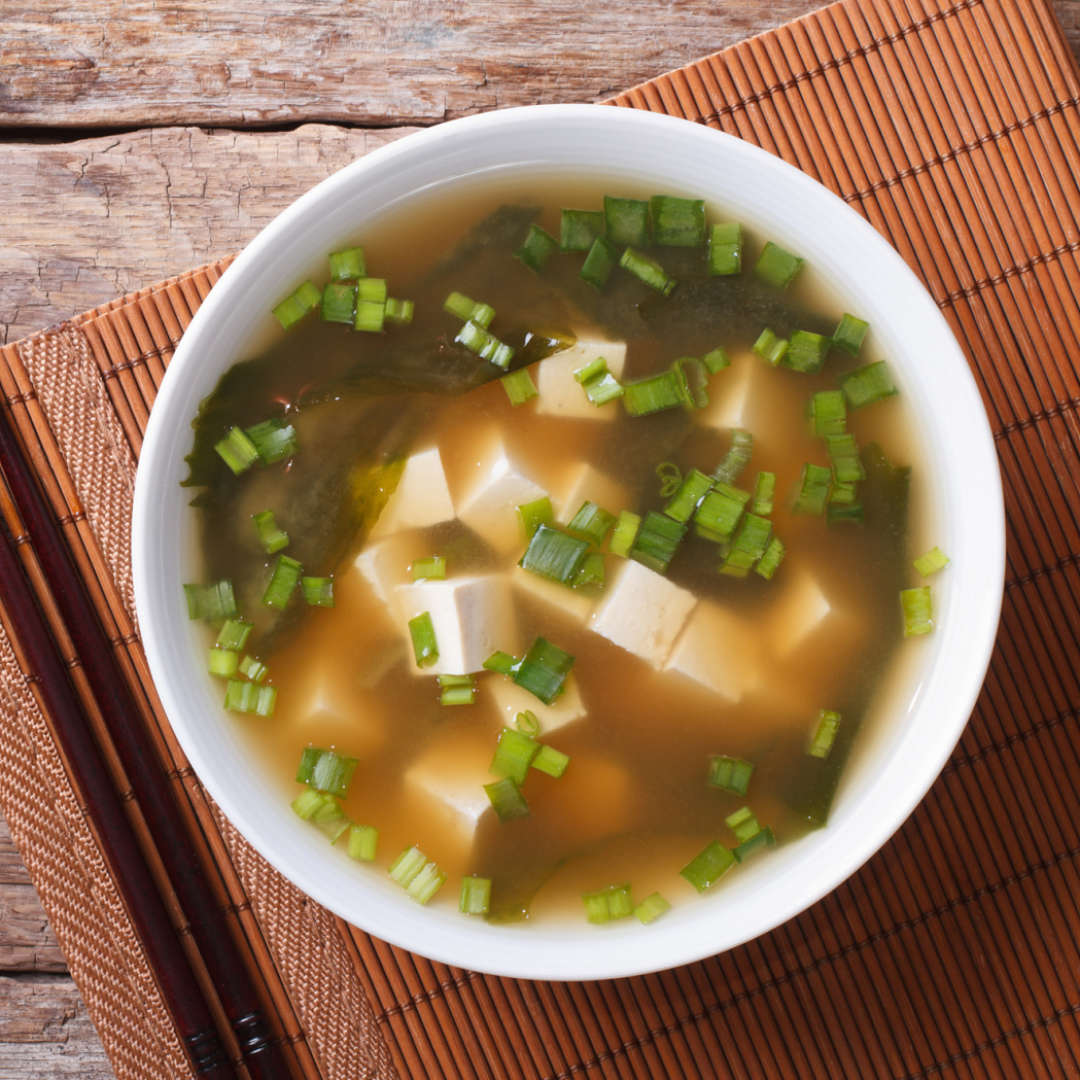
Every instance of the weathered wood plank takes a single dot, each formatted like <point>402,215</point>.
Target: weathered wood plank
<point>27,942</point>
<point>409,62</point>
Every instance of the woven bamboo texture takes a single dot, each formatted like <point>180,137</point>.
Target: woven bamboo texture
<point>954,129</point>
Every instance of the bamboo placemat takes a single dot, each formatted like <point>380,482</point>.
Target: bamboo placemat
<point>953,128</point>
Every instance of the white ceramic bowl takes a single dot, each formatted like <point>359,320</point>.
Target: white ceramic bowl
<point>884,781</point>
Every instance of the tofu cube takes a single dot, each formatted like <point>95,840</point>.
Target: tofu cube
<point>582,483</point>
<point>384,564</point>
<point>421,498</point>
<point>730,394</point>
<point>574,604</point>
<point>472,617</point>
<point>800,613</point>
<point>716,649</point>
<point>510,699</point>
<point>490,495</point>
<point>642,612</point>
<point>562,395</point>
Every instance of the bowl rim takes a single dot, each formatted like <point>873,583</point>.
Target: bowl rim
<point>499,950</point>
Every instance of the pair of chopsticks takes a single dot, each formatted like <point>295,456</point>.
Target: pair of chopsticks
<point>177,848</point>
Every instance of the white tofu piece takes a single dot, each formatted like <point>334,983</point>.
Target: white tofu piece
<point>573,603</point>
<point>561,394</point>
<point>642,612</point>
<point>472,617</point>
<point>490,495</point>
<point>717,650</point>
<point>730,394</point>
<point>510,699</point>
<point>384,564</point>
<point>799,613</point>
<point>585,482</point>
<point>421,498</point>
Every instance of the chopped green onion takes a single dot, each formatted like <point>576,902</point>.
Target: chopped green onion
<point>454,680</point>
<point>554,554</point>
<point>534,514</point>
<point>627,221</point>
<point>849,334</point>
<point>369,316</point>
<point>347,265</point>
<point>770,347</point>
<point>371,289</point>
<point>761,839</point>
<point>253,669</point>
<point>579,228</point>
<point>596,366</point>
<point>665,390</point>
<point>708,866</point>
<point>813,489</point>
<point>730,773</point>
<point>234,634</point>
<point>603,257</point>
<point>777,266</point>
<point>458,694</point>
<point>867,384</point>
<point>647,270</point>
<point>274,439</point>
<point>824,734</point>
<point>551,761</point>
<point>591,575</point>
<point>694,377</point>
<point>764,491</point>
<point>677,222</point>
<point>407,865</point>
<point>747,546</point>
<point>484,344</point>
<point>670,476</point>
<point>362,843</point>
<point>601,389</point>
<point>417,875</point>
<point>432,568</point>
<point>298,304</point>
<point>771,560</point>
<point>339,303</point>
<point>506,799</point>
<point>695,484</point>
<point>316,806</point>
<point>326,770</point>
<point>222,662</point>
<point>513,755</point>
<point>918,610</point>
<point>933,561</point>
<point>318,591</point>
<point>519,386</point>
<point>537,248</point>
<point>651,908</point>
<point>715,360</point>
<point>249,697</point>
<point>736,459</point>
<point>427,883</point>
<point>742,823</point>
<point>237,451</point>
<point>843,494</point>
<point>475,896</point>
<point>622,539</point>
<point>828,412</point>
<point>657,540</point>
<point>465,309</point>
<point>422,632</point>
<point>502,662</point>
<point>725,249</point>
<point>591,523</point>
<point>527,723</point>
<point>806,352</point>
<point>399,312</point>
<point>543,670</point>
<point>210,602</point>
<point>271,537</point>
<point>844,455</point>
<point>838,514</point>
<point>720,512</point>
<point>283,580</point>
<point>607,904</point>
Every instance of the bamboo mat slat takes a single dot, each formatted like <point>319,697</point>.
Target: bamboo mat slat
<point>953,127</point>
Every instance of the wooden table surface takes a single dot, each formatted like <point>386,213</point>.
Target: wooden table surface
<point>143,138</point>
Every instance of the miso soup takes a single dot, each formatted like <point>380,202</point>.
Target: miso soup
<point>574,579</point>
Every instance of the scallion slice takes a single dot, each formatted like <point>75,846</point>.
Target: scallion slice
<point>777,266</point>
<point>677,222</point>
<point>651,908</point>
<point>506,799</point>
<point>606,904</point>
<point>537,247</point>
<point>554,554</point>
<point>464,694</point>
<point>591,523</point>
<point>665,390</point>
<point>824,734</point>
<point>708,866</point>
<point>626,221</point>
<point>316,807</point>
<point>849,334</point>
<point>222,662</point>
<point>339,302</point>
<point>514,754</point>
<point>721,511</point>
<point>362,843</point>
<point>730,773</point>
<point>579,228</point>
<point>828,413</point>
<point>427,883</point>
<point>475,898</point>
<point>813,489</point>
<point>737,457</point>
<point>519,386</point>
<point>622,539</point>
<point>534,514</point>
<point>347,265</point>
<point>867,384</point>
<point>742,823</point>
<point>274,439</point>
<point>369,316</point>
<point>764,492</point>
<point>603,257</point>
<point>747,546</point>
<point>656,542</point>
<point>601,389</point>
<point>502,662</point>
<point>647,270</point>
<point>763,838</point>
<point>551,761</point>
<point>326,770</point>
<point>769,562</point>
<point>318,591</point>
<point>237,451</point>
<point>399,312</point>
<point>371,289</point>
<point>298,304</point>
<point>210,602</point>
<point>420,877</point>
<point>422,633</point>
<point>484,344</point>
<point>725,249</point>
<point>918,609</point>
<point>285,578</point>
<point>933,561</point>
<point>432,568</point>
<point>468,310</point>
<point>844,455</point>
<point>272,538</point>
<point>234,634</point>
<point>591,575</point>
<point>253,669</point>
<point>528,723</point>
<point>806,352</point>
<point>249,697</point>
<point>543,670</point>
<point>694,487</point>
<point>770,347</point>
<point>596,366</point>
<point>716,360</point>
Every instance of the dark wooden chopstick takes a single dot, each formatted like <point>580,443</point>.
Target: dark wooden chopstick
<point>176,847</point>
